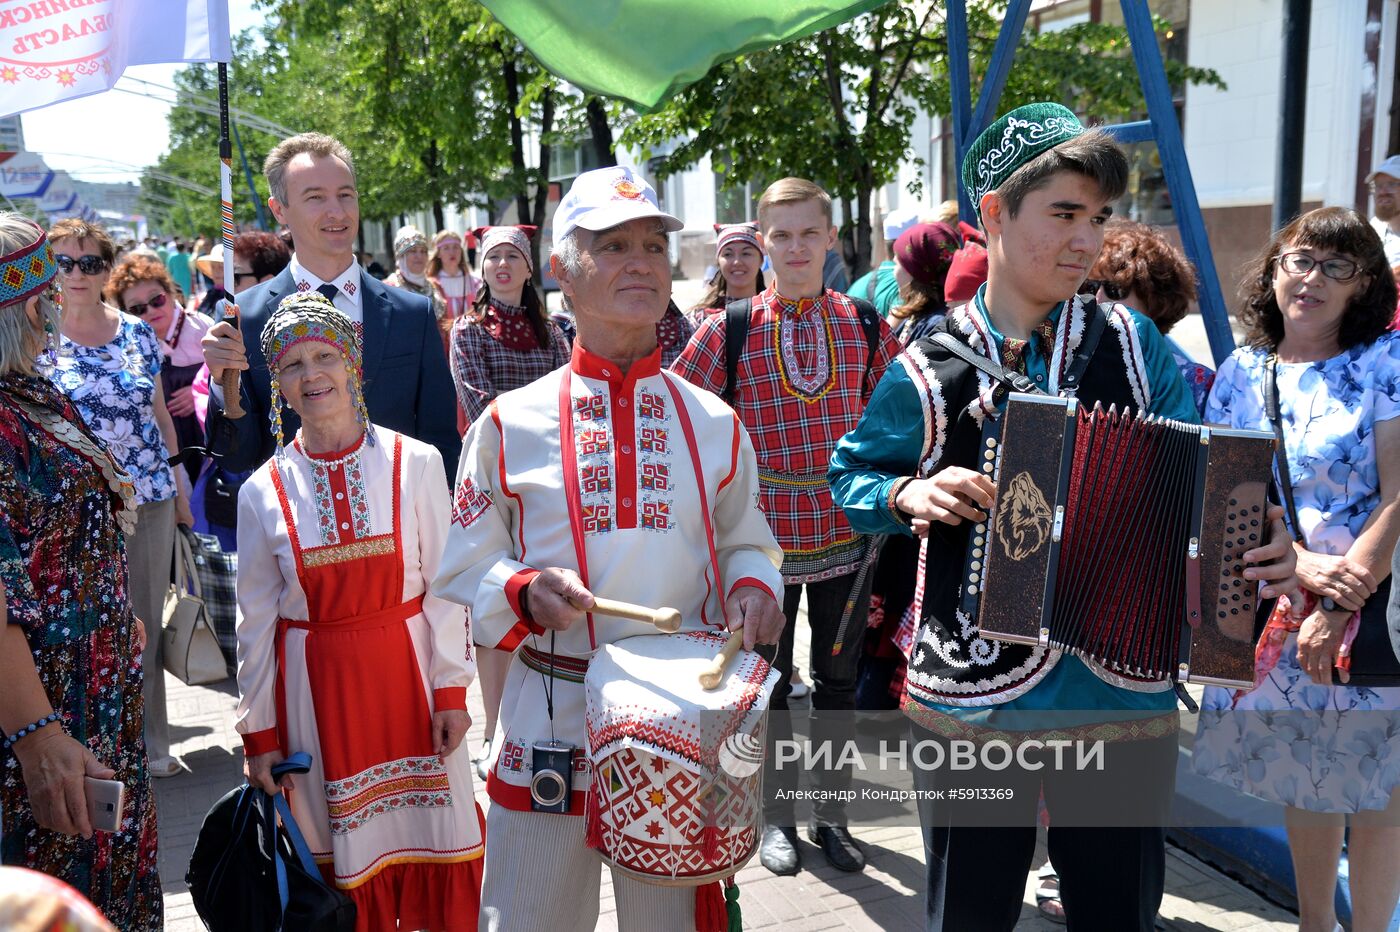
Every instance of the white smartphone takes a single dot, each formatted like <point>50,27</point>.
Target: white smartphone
<point>106,799</point>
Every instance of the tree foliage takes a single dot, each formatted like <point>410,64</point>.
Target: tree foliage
<point>839,107</point>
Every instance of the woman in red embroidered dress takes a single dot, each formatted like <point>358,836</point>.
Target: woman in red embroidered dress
<point>343,652</point>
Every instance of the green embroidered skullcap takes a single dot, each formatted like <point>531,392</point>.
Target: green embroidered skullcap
<point>1011,142</point>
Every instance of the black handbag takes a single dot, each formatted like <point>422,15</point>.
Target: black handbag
<point>247,874</point>
<point>1375,653</point>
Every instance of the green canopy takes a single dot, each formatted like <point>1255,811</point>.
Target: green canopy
<point>643,51</point>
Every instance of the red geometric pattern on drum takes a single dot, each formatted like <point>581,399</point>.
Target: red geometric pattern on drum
<point>591,407</point>
<point>470,504</point>
<point>595,479</point>
<point>635,835</point>
<point>656,476</point>
<point>651,406</point>
<point>653,440</point>
<point>591,442</point>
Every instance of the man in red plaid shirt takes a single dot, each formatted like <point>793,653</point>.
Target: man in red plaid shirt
<point>806,371</point>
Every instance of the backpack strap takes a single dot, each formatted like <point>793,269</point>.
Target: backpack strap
<point>870,324</point>
<point>870,286</point>
<point>736,333</point>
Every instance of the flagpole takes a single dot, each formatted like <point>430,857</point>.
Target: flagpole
<point>229,381</point>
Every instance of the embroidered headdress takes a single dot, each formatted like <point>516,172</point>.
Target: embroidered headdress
<point>27,271</point>
<point>407,238</point>
<point>736,233</point>
<point>310,316</point>
<point>1011,142</point>
<point>517,236</point>
<point>925,250</point>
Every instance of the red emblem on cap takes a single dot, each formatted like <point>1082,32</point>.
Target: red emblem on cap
<point>627,189</point>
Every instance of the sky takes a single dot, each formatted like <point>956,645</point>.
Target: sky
<point>108,137</point>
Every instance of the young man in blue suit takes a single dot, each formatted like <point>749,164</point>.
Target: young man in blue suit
<point>408,387</point>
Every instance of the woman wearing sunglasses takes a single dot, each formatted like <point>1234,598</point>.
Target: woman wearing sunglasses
<point>141,286</point>
<point>109,364</point>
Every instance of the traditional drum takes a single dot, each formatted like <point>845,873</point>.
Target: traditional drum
<point>677,768</point>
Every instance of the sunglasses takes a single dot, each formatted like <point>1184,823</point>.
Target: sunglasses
<point>1093,286</point>
<point>157,301</point>
<point>88,265</point>
<point>239,276</point>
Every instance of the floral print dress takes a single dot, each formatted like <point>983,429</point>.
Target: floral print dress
<point>113,387</point>
<point>1290,740</point>
<point>64,571</point>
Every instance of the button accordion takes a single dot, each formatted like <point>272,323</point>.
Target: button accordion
<point>1119,539</point>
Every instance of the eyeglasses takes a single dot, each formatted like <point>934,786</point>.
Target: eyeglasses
<point>1384,187</point>
<point>157,301</point>
<point>1092,286</point>
<point>88,265</point>
<point>1300,264</point>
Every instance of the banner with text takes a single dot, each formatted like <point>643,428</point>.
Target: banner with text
<point>54,50</point>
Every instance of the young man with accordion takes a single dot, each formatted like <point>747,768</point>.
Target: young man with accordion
<point>920,463</point>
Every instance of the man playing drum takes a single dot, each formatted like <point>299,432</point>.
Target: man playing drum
<point>606,476</point>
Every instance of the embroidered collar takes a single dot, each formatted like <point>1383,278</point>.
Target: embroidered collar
<point>334,458</point>
<point>347,283</point>
<point>1013,351</point>
<point>797,307</point>
<point>592,366</point>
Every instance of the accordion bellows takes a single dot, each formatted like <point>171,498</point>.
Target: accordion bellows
<point>1119,539</point>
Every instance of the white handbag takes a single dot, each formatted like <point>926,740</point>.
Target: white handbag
<point>189,646</point>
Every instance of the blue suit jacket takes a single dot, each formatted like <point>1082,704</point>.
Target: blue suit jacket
<point>408,387</point>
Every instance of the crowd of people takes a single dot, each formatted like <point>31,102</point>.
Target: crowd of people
<point>436,477</point>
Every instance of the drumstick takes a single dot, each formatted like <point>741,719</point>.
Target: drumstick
<point>228,381</point>
<point>667,620</point>
<point>710,677</point>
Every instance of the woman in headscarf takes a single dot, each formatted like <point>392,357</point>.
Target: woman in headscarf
<point>411,272</point>
<point>342,650</point>
<point>922,256</point>
<point>447,269</point>
<point>70,648</point>
<point>739,269</point>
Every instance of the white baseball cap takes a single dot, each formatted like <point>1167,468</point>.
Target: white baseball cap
<point>605,197</point>
<point>1391,167</point>
<point>897,221</point>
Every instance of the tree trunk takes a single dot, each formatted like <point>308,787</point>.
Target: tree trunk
<point>542,183</point>
<point>601,132</point>
<point>439,215</point>
<point>517,136</point>
<point>864,187</point>
<point>389,240</point>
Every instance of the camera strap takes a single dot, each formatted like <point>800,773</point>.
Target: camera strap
<point>548,682</point>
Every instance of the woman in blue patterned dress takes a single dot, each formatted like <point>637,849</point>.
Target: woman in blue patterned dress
<point>69,646</point>
<point>1320,299</point>
<point>109,364</point>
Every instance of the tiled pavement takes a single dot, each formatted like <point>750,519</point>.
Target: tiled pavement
<point>886,896</point>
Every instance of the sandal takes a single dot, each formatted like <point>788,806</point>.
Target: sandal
<point>165,766</point>
<point>1047,896</point>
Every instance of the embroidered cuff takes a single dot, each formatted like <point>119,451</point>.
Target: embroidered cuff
<point>755,583</point>
<point>515,595</point>
<point>260,742</point>
<point>450,699</point>
<point>897,486</point>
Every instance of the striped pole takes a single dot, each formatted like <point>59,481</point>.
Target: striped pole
<point>229,381</point>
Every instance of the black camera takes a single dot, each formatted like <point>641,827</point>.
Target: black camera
<point>552,763</point>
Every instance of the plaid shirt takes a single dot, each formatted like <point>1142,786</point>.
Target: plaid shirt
<point>798,390</point>
<point>482,367</point>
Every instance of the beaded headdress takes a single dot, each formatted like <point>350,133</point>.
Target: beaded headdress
<point>310,316</point>
<point>407,238</point>
<point>517,236</point>
<point>1012,141</point>
<point>27,271</point>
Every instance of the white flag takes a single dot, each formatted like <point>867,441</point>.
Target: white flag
<point>53,50</point>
